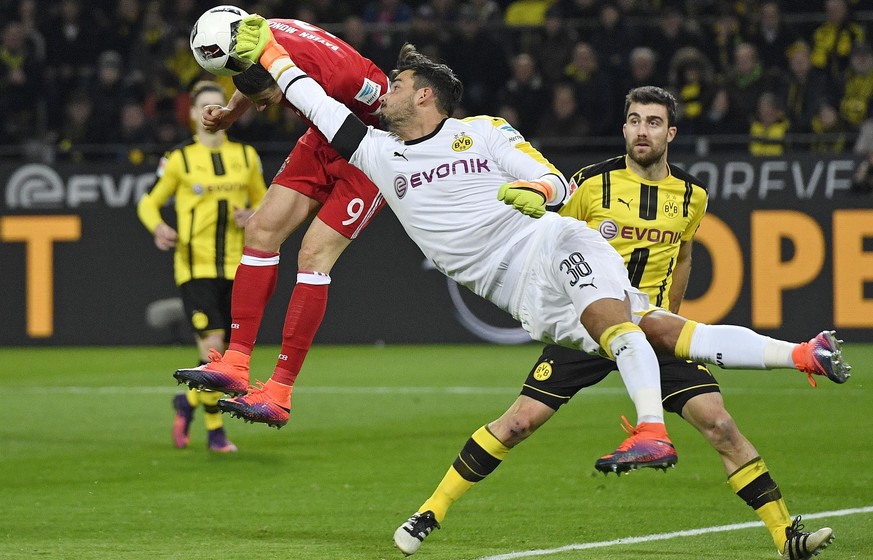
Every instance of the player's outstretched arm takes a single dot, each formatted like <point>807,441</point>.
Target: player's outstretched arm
<point>339,125</point>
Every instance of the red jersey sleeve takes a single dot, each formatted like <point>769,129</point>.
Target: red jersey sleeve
<point>345,75</point>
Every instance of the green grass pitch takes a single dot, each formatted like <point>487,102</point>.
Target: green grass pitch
<point>88,471</point>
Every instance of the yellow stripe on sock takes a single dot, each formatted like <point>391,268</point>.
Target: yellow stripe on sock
<point>774,514</point>
<point>744,475</point>
<point>489,443</point>
<point>683,344</point>
<point>615,330</point>
<point>453,485</point>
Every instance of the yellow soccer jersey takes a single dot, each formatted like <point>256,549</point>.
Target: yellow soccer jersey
<point>646,221</point>
<point>208,184</point>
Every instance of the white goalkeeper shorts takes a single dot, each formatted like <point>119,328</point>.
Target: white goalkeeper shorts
<point>570,266</point>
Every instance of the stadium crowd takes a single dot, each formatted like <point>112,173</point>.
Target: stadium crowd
<point>103,78</point>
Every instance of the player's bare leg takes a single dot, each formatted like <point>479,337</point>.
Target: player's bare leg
<point>749,476</point>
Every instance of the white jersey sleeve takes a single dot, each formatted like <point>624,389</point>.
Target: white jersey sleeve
<point>340,126</point>
<point>520,158</point>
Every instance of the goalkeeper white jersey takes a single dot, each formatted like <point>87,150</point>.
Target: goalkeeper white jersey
<point>443,187</point>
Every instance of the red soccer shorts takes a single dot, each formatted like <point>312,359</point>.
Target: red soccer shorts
<point>349,199</point>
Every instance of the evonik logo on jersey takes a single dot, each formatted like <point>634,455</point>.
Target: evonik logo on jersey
<point>609,230</point>
<point>444,170</point>
<point>200,188</point>
<point>400,185</point>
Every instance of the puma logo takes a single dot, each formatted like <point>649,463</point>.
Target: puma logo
<point>580,286</point>
<point>398,154</point>
<point>626,203</point>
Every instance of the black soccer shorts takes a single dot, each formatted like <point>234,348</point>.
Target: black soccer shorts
<point>207,304</point>
<point>561,372</point>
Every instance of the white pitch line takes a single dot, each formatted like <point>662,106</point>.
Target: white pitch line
<point>665,536</point>
<point>458,390</point>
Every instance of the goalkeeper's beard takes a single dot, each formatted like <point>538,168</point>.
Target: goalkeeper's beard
<point>384,122</point>
<point>395,122</point>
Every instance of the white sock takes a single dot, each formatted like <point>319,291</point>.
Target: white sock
<point>778,353</point>
<point>734,347</point>
<point>641,374</point>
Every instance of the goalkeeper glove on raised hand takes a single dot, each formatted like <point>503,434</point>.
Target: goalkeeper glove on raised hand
<point>528,197</point>
<point>255,43</point>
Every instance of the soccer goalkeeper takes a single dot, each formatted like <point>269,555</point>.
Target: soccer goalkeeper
<point>442,190</point>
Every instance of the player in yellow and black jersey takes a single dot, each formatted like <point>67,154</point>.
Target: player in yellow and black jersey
<point>649,212</point>
<point>216,184</point>
<point>650,223</point>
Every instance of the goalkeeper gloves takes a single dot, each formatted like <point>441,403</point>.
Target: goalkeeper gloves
<point>528,197</point>
<point>255,42</point>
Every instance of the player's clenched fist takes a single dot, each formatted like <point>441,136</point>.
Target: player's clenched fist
<point>213,118</point>
<point>528,197</point>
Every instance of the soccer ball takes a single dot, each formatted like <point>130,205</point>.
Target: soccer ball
<point>213,39</point>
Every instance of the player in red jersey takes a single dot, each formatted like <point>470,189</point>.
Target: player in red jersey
<point>314,182</point>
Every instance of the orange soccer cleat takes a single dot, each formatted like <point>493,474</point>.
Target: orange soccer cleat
<point>822,356</point>
<point>648,446</point>
<point>261,405</point>
<point>226,374</point>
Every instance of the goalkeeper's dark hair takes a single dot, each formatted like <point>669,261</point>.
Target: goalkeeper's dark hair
<point>652,95</point>
<point>253,80</point>
<point>447,88</point>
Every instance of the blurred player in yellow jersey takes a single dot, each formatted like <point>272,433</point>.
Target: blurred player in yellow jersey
<point>217,184</point>
<point>649,212</point>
